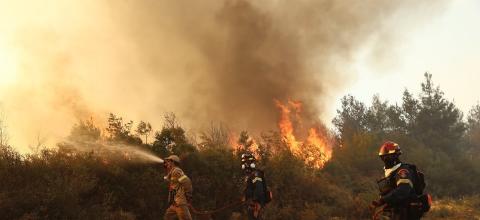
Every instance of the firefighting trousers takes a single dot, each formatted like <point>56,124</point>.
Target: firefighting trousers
<point>254,213</point>
<point>180,212</point>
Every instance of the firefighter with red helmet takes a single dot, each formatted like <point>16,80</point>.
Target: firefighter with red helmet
<point>397,188</point>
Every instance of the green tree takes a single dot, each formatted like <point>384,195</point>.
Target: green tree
<point>351,118</point>
<point>85,131</point>
<point>438,122</point>
<point>376,116</point>
<point>172,138</point>
<point>410,110</point>
<point>144,129</point>
<point>121,132</point>
<point>473,129</point>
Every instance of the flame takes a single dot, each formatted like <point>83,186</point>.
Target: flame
<point>286,128</point>
<point>320,143</point>
<point>316,150</point>
<point>254,148</point>
<point>232,141</point>
<point>237,147</point>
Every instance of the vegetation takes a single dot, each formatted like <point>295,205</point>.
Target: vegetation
<point>65,183</point>
<point>460,208</point>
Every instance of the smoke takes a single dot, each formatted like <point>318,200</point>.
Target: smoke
<point>223,60</point>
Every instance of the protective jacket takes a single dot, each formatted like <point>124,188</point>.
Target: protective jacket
<point>180,187</point>
<point>397,191</point>
<point>255,187</point>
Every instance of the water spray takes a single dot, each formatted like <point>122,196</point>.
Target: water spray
<point>115,151</point>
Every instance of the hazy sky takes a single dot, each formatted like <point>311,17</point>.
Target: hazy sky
<point>63,61</point>
<point>448,46</point>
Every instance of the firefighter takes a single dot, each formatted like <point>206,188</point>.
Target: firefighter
<point>255,187</point>
<point>397,187</point>
<point>179,190</point>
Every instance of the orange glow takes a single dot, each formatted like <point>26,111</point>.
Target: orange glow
<point>252,147</point>
<point>126,156</point>
<point>286,128</point>
<point>255,149</point>
<point>232,141</point>
<point>322,149</point>
<point>316,150</point>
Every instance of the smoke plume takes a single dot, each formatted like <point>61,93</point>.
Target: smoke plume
<point>222,60</point>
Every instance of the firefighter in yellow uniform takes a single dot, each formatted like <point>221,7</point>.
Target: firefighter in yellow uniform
<point>180,190</point>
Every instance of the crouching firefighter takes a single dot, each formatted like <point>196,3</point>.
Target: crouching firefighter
<point>179,191</point>
<point>256,194</point>
<point>401,190</point>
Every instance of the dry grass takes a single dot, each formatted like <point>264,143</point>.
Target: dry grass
<point>465,208</point>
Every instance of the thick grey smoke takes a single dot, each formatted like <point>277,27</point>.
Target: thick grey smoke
<point>232,59</point>
<point>223,60</point>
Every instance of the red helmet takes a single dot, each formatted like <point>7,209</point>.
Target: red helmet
<point>389,147</point>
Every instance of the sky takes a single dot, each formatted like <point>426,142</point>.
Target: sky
<point>447,46</point>
<point>64,61</point>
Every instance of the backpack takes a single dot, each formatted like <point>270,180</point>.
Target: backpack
<point>418,179</point>
<point>423,201</point>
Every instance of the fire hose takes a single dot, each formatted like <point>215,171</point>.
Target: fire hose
<point>211,212</point>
